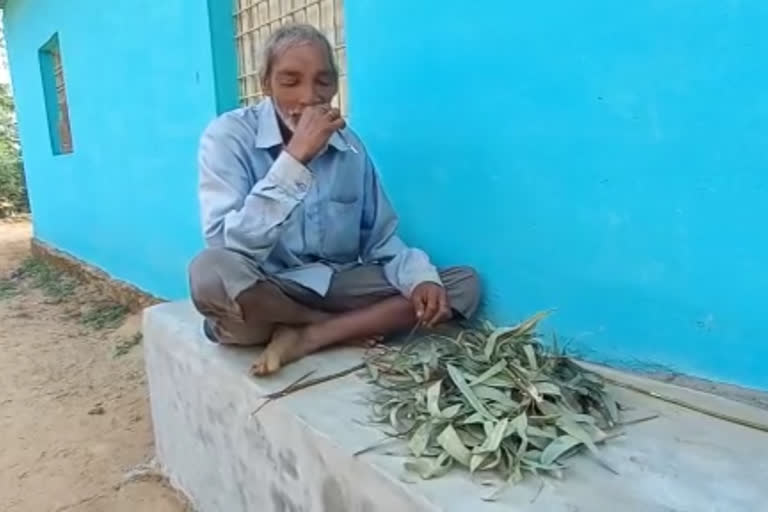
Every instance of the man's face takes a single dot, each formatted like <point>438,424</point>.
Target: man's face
<point>300,77</point>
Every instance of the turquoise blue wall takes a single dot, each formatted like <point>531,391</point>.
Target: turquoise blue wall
<point>140,86</point>
<point>605,158</point>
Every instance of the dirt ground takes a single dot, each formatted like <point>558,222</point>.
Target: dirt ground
<point>74,413</point>
<point>75,427</point>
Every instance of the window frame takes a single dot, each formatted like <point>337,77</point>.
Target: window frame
<point>55,97</point>
<point>255,20</point>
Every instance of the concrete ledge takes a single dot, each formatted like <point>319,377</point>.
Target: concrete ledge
<point>297,453</point>
<point>121,292</point>
<point>694,397</point>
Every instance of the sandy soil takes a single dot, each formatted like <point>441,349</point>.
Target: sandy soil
<point>74,413</point>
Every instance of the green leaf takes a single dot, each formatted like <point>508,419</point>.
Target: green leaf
<point>548,388</point>
<point>476,461</point>
<point>373,371</point>
<point>490,372</point>
<point>531,355</point>
<point>490,344</point>
<point>493,463</point>
<point>474,418</point>
<point>534,463</point>
<point>549,409</point>
<point>613,410</point>
<point>443,464</point>
<point>430,468</point>
<point>433,397</point>
<point>417,377</point>
<point>469,438</point>
<point>521,382</point>
<point>573,429</point>
<point>597,435</point>
<point>450,442</point>
<point>526,326</point>
<point>458,379</point>
<point>583,418</point>
<point>451,411</point>
<point>558,448</point>
<point>420,439</point>
<point>422,467</point>
<point>539,442</point>
<point>393,419</point>
<point>496,435</point>
<point>520,423</point>
<point>500,381</point>
<point>543,420</point>
<point>496,395</point>
<point>427,372</point>
<point>532,431</point>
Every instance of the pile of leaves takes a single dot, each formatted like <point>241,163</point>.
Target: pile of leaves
<point>489,399</point>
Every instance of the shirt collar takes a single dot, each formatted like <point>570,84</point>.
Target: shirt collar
<point>268,132</point>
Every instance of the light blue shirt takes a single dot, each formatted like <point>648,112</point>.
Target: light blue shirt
<point>299,222</point>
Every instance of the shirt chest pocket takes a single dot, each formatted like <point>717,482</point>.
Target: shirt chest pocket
<point>341,229</point>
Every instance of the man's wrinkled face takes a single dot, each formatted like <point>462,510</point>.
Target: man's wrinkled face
<point>301,76</point>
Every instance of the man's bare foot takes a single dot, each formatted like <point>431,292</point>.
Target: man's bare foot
<point>286,347</point>
<point>369,342</point>
<point>283,348</point>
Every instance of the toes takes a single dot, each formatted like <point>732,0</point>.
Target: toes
<point>260,366</point>
<point>266,364</point>
<point>374,341</point>
<point>257,368</point>
<point>273,364</point>
<point>365,343</point>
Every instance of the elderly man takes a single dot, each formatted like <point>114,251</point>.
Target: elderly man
<point>302,250</point>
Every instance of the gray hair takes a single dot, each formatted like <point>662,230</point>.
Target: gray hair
<point>290,36</point>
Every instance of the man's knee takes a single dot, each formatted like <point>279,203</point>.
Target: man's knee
<point>206,286</point>
<point>464,289</point>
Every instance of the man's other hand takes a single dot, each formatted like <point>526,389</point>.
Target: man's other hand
<point>315,127</point>
<point>431,304</point>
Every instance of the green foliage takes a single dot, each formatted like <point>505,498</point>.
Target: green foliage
<point>125,345</point>
<point>107,315</point>
<point>55,284</point>
<point>490,399</point>
<point>13,190</point>
<point>8,288</point>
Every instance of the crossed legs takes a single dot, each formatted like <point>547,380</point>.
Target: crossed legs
<point>244,306</point>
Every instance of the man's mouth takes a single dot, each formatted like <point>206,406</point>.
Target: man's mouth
<point>290,118</point>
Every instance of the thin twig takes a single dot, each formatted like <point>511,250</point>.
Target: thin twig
<point>313,382</point>
<point>638,420</point>
<point>302,384</point>
<point>409,341</point>
<point>291,386</point>
<point>604,464</point>
<point>272,396</point>
<point>374,446</point>
<point>538,493</point>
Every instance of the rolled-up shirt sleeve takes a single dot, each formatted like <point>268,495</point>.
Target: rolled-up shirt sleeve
<point>404,267</point>
<point>236,213</point>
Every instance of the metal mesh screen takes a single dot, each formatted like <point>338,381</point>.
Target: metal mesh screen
<point>256,19</point>
<point>65,134</point>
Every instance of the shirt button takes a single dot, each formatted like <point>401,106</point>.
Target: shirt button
<point>301,187</point>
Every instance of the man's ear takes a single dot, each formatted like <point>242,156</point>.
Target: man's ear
<point>266,88</point>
